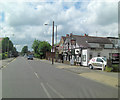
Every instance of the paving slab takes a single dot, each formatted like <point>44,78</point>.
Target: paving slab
<point>108,80</point>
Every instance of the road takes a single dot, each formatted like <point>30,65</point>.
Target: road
<point>24,78</point>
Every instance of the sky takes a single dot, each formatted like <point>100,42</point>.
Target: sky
<point>24,21</point>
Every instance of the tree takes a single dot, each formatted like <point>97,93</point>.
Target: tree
<point>7,48</point>
<point>24,50</point>
<point>40,48</point>
<point>14,52</point>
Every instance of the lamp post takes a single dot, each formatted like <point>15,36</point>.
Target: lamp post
<point>56,31</point>
<point>53,44</point>
<point>52,41</point>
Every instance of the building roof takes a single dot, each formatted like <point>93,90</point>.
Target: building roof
<point>84,40</point>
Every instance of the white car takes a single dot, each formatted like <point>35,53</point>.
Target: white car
<point>97,62</point>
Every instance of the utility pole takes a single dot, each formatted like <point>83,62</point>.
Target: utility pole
<point>53,44</point>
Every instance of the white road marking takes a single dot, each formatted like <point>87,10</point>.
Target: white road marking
<point>55,91</point>
<point>7,64</point>
<point>47,93</point>
<point>36,75</point>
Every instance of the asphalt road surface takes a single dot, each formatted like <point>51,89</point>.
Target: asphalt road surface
<point>24,78</point>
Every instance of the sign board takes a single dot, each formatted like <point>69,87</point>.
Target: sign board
<point>115,58</point>
<point>77,51</point>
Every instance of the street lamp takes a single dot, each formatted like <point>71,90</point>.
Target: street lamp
<point>52,42</point>
<point>56,31</point>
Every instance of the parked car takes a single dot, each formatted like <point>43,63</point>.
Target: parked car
<point>97,62</point>
<point>30,57</point>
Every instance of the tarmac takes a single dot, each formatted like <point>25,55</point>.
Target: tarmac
<point>108,78</point>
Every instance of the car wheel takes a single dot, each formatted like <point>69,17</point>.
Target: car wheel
<point>90,66</point>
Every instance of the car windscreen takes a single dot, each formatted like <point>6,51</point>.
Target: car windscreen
<point>30,56</point>
<point>104,59</point>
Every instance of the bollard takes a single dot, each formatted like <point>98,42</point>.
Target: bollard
<point>103,67</point>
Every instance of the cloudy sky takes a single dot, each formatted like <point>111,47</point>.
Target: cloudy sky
<point>24,21</point>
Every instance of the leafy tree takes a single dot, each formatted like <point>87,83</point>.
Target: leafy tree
<point>35,46</point>
<point>24,50</point>
<point>7,48</point>
<point>40,48</point>
<point>14,52</point>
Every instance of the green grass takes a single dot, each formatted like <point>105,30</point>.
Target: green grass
<point>108,69</point>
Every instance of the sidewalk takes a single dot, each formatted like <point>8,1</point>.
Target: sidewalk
<point>108,78</point>
<point>5,62</point>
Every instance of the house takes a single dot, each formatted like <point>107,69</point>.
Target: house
<point>115,41</point>
<point>60,49</point>
<point>83,48</point>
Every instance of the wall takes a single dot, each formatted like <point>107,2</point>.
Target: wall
<point>95,52</point>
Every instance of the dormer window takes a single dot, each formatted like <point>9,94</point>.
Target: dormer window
<point>102,45</point>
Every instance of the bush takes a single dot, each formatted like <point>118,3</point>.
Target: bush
<point>108,69</point>
<point>116,68</point>
<point>4,55</point>
<point>36,55</point>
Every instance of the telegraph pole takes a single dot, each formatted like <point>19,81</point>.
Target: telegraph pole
<point>53,44</point>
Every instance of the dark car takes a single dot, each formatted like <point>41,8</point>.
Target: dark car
<point>30,57</point>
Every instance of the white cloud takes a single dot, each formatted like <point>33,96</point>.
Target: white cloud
<point>26,20</point>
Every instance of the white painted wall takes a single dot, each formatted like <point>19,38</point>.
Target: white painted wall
<point>102,52</point>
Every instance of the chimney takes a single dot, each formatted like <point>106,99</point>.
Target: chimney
<point>85,35</point>
<point>67,35</point>
<point>71,34</point>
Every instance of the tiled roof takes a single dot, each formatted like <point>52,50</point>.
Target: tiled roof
<point>84,40</point>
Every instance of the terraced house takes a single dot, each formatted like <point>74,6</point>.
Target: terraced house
<point>82,48</point>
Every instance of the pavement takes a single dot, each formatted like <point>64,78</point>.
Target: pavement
<point>5,62</point>
<point>108,78</point>
<point>24,78</point>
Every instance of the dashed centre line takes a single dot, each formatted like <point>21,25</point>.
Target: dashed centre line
<point>36,75</point>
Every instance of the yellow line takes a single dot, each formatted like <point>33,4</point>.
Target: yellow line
<point>9,63</point>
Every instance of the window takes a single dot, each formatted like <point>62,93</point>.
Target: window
<point>90,56</point>
<point>102,45</point>
<point>98,55</point>
<point>99,60</point>
<point>84,57</point>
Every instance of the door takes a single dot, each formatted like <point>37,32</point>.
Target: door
<point>99,63</point>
